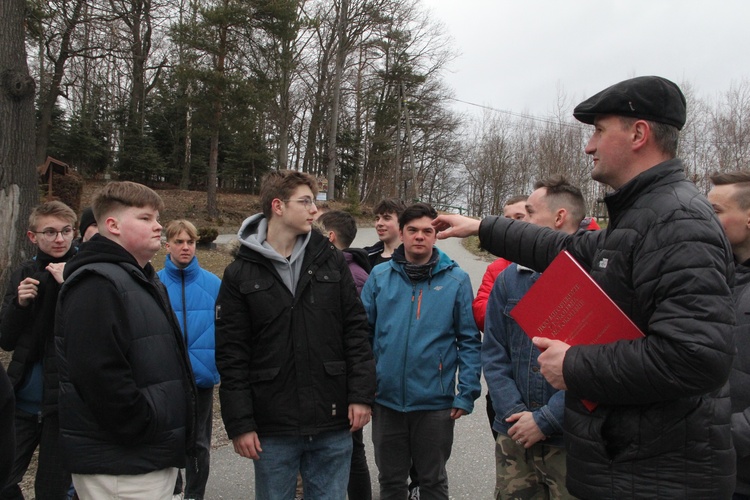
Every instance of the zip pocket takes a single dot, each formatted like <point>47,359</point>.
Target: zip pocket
<point>440,374</point>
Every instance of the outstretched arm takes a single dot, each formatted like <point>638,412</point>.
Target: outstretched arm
<point>455,226</point>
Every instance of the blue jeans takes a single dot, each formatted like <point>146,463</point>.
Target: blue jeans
<point>323,460</point>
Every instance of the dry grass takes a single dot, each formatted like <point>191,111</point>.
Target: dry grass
<point>472,245</point>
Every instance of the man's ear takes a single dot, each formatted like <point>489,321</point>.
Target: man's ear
<point>276,206</point>
<point>560,217</point>
<point>332,237</point>
<point>32,236</point>
<point>641,132</point>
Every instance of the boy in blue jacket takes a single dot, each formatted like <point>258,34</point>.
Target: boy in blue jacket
<point>192,292</point>
<point>423,333</point>
<point>529,450</point>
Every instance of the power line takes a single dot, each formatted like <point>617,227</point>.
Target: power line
<point>579,126</point>
<point>549,121</point>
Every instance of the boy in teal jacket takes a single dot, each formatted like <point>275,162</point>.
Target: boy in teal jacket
<point>423,333</point>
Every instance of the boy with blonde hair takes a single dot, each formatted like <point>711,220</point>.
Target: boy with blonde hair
<point>192,293</point>
<point>27,329</point>
<point>126,388</point>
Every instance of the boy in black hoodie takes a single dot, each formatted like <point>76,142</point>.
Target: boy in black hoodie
<point>126,388</point>
<point>27,329</point>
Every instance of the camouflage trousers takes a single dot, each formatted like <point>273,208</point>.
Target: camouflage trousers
<point>525,474</point>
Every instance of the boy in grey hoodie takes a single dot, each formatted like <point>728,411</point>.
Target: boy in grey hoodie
<point>292,347</point>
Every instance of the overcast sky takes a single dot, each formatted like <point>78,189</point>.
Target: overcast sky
<point>514,55</point>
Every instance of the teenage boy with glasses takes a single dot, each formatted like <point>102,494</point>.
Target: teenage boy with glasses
<point>27,329</point>
<point>296,366</point>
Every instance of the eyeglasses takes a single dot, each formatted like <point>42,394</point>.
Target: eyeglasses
<point>51,234</point>
<point>306,202</point>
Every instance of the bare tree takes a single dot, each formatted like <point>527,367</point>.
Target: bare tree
<point>696,149</point>
<point>56,40</point>
<point>18,188</point>
<point>731,124</point>
<point>341,49</point>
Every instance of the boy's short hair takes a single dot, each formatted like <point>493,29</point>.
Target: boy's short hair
<point>561,193</point>
<point>741,181</point>
<point>416,211</point>
<point>124,194</point>
<point>175,227</point>
<point>52,209</point>
<point>516,199</point>
<point>281,184</point>
<point>342,223</point>
<point>390,206</point>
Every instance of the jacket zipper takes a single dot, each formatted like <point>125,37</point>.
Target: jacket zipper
<point>184,310</point>
<point>406,349</point>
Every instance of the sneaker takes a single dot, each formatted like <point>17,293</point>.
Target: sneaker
<point>414,493</point>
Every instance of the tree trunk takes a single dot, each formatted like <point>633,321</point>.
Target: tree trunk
<point>413,191</point>
<point>51,93</point>
<point>18,187</point>
<point>185,179</point>
<point>340,59</point>
<point>212,206</point>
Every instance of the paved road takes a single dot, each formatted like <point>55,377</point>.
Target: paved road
<point>471,469</point>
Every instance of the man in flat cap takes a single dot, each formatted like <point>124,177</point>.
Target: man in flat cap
<point>662,425</point>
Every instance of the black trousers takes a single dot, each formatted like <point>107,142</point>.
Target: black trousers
<point>197,468</point>
<point>360,487</point>
<point>52,480</point>
<point>423,439</point>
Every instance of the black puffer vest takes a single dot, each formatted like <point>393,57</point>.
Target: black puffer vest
<point>161,372</point>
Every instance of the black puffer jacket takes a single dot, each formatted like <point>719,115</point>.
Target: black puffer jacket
<point>739,379</point>
<point>127,393</point>
<point>290,364</point>
<point>29,331</point>
<point>662,427</point>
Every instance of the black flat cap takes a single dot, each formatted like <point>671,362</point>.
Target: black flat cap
<point>647,97</point>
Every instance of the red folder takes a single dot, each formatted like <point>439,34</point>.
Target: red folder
<point>567,304</point>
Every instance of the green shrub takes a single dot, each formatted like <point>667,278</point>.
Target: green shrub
<point>206,235</point>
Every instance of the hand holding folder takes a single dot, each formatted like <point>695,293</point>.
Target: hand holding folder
<point>566,304</point>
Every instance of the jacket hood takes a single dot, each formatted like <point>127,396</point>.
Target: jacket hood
<point>44,258</point>
<point>359,257</point>
<point>252,235</point>
<point>101,249</point>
